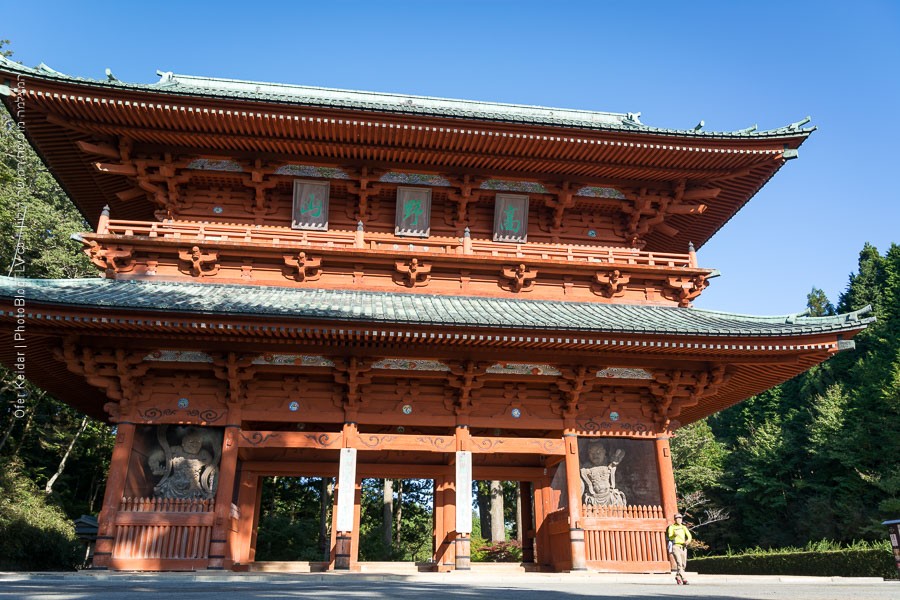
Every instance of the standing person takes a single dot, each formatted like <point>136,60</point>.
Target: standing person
<point>679,537</point>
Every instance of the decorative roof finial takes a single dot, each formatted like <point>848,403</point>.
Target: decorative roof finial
<point>110,76</point>
<point>359,225</point>
<point>691,247</point>
<point>466,232</point>
<point>699,125</point>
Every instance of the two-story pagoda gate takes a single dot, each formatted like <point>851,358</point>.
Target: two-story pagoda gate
<point>316,282</point>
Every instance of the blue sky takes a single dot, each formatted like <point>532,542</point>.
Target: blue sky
<point>732,64</point>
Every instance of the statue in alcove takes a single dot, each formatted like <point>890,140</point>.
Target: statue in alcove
<point>189,468</point>
<point>599,476</point>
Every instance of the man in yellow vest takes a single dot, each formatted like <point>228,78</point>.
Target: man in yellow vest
<point>679,537</point>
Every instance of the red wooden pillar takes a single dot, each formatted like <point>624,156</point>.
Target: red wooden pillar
<point>448,562</point>
<point>666,477</point>
<point>573,485</point>
<point>220,552</point>
<point>439,545</point>
<point>247,504</point>
<point>257,505</point>
<point>543,505</point>
<point>527,497</point>
<point>112,498</point>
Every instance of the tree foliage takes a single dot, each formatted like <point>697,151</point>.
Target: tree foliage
<point>817,457</point>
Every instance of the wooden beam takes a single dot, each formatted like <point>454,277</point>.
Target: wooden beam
<point>543,446</point>
<point>131,194</point>
<point>99,149</point>
<point>290,439</point>
<point>114,169</point>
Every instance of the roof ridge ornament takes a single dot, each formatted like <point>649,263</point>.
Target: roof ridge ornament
<point>750,129</point>
<point>799,124</point>
<point>165,77</point>
<point>109,75</point>
<point>699,125</point>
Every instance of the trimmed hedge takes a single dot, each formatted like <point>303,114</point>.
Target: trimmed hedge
<point>876,561</point>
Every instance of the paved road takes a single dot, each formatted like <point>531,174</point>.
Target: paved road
<point>343,587</point>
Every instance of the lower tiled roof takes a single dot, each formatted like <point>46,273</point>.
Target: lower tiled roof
<point>409,309</point>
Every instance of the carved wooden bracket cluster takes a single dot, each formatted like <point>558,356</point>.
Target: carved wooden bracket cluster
<point>302,267</point>
<point>366,188</point>
<point>198,263</point>
<point>686,289</point>
<point>260,185</point>
<point>612,283</point>
<point>354,373</point>
<point>674,390</point>
<point>520,278</point>
<point>235,370</point>
<point>563,198</point>
<point>117,372</point>
<point>466,377</point>
<point>573,384</point>
<point>115,259</point>
<point>648,209</point>
<point>412,273</point>
<point>468,192</point>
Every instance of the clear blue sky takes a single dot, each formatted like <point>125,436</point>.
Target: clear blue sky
<point>731,64</point>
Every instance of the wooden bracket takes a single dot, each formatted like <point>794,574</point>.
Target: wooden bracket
<point>412,273</point>
<point>685,289</point>
<point>354,373</point>
<point>519,279</point>
<point>303,267</point>
<point>235,370</point>
<point>465,377</point>
<point>199,263</point>
<point>117,259</point>
<point>612,283</point>
<point>674,390</point>
<point>366,185</point>
<point>573,384</point>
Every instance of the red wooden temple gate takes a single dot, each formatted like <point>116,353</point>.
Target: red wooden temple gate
<point>300,281</point>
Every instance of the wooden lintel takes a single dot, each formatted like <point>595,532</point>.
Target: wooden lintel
<point>290,439</point>
<point>543,446</point>
<point>422,443</point>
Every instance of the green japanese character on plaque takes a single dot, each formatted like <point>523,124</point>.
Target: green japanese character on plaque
<point>413,212</point>
<point>510,218</point>
<point>310,205</point>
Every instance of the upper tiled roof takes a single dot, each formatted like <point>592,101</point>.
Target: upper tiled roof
<point>191,85</point>
<point>414,309</point>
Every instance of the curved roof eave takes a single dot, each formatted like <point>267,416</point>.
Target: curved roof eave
<point>413,309</point>
<point>330,98</point>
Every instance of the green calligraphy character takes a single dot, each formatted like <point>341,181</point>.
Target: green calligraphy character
<point>510,223</point>
<point>412,209</point>
<point>311,206</point>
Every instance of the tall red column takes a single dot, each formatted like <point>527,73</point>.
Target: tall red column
<point>220,551</point>
<point>112,498</point>
<point>573,484</point>
<point>527,496</point>
<point>666,476</point>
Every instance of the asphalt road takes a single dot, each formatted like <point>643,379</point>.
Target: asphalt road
<point>525,587</point>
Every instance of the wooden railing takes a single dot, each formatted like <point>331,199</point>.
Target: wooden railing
<point>193,231</point>
<point>166,533</point>
<point>616,538</point>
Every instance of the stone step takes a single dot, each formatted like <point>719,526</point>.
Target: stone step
<point>292,566</point>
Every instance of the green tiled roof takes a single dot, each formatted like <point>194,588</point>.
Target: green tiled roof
<point>412,309</point>
<point>191,85</point>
